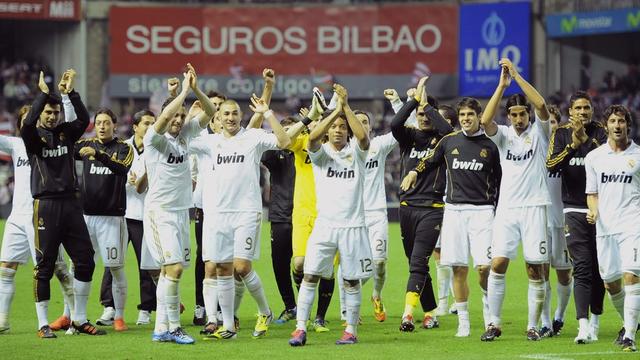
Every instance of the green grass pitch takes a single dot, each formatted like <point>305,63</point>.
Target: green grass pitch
<point>377,340</point>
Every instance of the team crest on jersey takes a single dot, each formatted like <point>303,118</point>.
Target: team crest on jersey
<point>349,158</point>
<point>40,224</point>
<point>182,142</point>
<point>433,141</point>
<point>455,152</point>
<point>527,140</point>
<point>61,137</point>
<point>632,163</point>
<point>167,254</point>
<point>484,153</point>
<point>43,139</point>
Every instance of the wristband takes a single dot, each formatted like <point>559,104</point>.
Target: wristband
<point>306,121</point>
<point>268,113</point>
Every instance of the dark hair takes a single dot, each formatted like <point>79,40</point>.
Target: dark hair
<point>107,112</point>
<point>450,113</point>
<point>289,120</point>
<point>53,99</point>
<point>360,112</point>
<point>555,112</point>
<point>137,117</point>
<point>212,94</point>
<point>619,110</point>
<point>579,95</point>
<point>517,100</point>
<point>469,102</point>
<point>167,102</point>
<point>433,101</point>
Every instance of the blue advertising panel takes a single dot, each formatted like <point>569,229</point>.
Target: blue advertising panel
<point>590,23</point>
<point>489,32</point>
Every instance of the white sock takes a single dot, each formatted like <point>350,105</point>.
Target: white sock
<point>343,299</point>
<point>119,290</point>
<point>306,295</point>
<point>486,313</point>
<point>210,295</point>
<point>42,310</point>
<point>545,317</point>
<point>238,295</point>
<point>444,283</point>
<point>379,277</point>
<point>226,293</point>
<point>7,289</point>
<point>594,321</point>
<point>254,285</point>
<point>172,301</point>
<point>162,322</point>
<point>564,294</point>
<point>353,299</point>
<point>583,325</point>
<point>618,302</point>
<point>631,310</point>
<point>495,294</point>
<point>463,313</point>
<point>81,292</point>
<point>66,283</point>
<point>535,297</point>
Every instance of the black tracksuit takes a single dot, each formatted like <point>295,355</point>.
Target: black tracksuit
<point>588,287</point>
<point>421,208</point>
<point>57,210</point>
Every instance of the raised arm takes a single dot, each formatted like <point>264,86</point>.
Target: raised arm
<point>318,132</point>
<point>167,114</point>
<point>269,77</point>
<point>205,103</point>
<point>358,130</point>
<point>489,113</point>
<point>259,106</point>
<point>29,132</point>
<point>67,106</point>
<point>529,91</point>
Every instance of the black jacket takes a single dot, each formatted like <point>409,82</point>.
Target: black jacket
<point>561,157</point>
<point>283,176</point>
<point>104,176</point>
<point>50,151</point>
<point>416,144</point>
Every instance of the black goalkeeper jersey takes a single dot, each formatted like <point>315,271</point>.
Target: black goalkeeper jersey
<point>50,151</point>
<point>104,176</point>
<point>416,144</point>
<point>473,168</point>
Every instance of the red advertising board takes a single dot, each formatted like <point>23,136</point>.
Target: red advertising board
<point>64,10</point>
<point>354,40</point>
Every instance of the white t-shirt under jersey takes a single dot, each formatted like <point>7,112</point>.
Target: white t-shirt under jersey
<point>22,198</point>
<point>168,170</point>
<point>232,176</point>
<point>135,201</point>
<point>524,172</point>
<point>375,197</point>
<point>615,177</point>
<point>339,177</point>
<point>555,216</point>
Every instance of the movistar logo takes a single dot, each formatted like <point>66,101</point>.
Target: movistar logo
<point>633,20</point>
<point>568,24</point>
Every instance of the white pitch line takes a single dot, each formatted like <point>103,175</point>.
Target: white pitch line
<point>567,356</point>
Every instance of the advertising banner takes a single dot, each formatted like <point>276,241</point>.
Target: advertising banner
<point>41,10</point>
<point>489,32</point>
<point>591,23</point>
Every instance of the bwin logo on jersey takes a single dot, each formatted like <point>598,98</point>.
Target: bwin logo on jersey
<point>526,156</point>
<point>615,178</point>
<point>59,151</point>
<point>230,159</point>
<point>371,164</point>
<point>175,159</point>
<point>576,161</point>
<point>99,170</point>
<point>467,165</point>
<point>418,154</point>
<point>341,174</point>
<point>22,162</point>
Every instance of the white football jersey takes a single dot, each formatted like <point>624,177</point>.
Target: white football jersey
<point>168,171</point>
<point>523,162</point>
<point>339,177</point>
<point>202,161</point>
<point>555,216</point>
<point>615,177</point>
<point>232,176</point>
<point>375,198</point>
<point>135,201</point>
<point>22,199</point>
